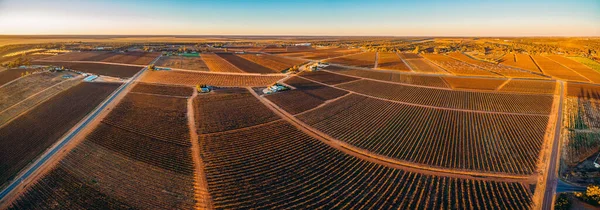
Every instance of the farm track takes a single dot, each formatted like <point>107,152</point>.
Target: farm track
<point>552,178</point>
<point>405,63</point>
<point>420,105</point>
<point>368,156</point>
<point>202,195</point>
<point>43,163</point>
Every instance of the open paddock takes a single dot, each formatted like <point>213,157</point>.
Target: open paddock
<point>220,80</point>
<point>181,62</point>
<point>97,68</point>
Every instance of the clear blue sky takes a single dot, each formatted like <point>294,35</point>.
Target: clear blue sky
<point>308,17</point>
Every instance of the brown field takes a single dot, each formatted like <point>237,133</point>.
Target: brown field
<point>275,63</point>
<point>245,65</point>
<point>551,68</point>
<point>529,86</point>
<point>163,90</point>
<point>9,75</point>
<point>327,78</point>
<point>26,137</point>
<point>482,101</point>
<point>221,80</point>
<point>307,95</point>
<point>503,70</point>
<point>181,62</point>
<point>242,108</point>
<point>474,83</point>
<point>408,133</point>
<point>217,64</point>
<point>391,61</point>
<point>522,61</point>
<point>97,68</point>
<point>321,54</point>
<point>419,64</point>
<point>366,59</point>
<point>587,72</point>
<point>457,67</point>
<point>27,86</point>
<point>422,80</point>
<point>108,169</point>
<point>138,58</point>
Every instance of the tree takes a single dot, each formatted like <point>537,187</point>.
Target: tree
<point>151,67</point>
<point>562,202</point>
<point>417,49</point>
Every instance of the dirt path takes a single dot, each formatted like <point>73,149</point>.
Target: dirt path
<point>376,60</point>
<point>503,84</point>
<point>389,162</point>
<point>425,106</point>
<point>405,63</point>
<point>203,199</point>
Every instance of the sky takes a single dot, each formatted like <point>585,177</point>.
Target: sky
<point>307,17</point>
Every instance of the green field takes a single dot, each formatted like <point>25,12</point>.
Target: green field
<point>588,62</point>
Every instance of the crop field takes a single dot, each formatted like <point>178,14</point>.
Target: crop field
<point>97,68</point>
<point>408,133</point>
<point>221,80</point>
<point>25,87</point>
<point>327,78</point>
<point>422,80</point>
<point>552,68</point>
<point>454,99</point>
<point>275,63</point>
<point>9,75</point>
<point>321,54</point>
<point>217,64</point>
<point>529,86</point>
<point>391,61</point>
<point>139,58</point>
<point>181,62</point>
<point>503,70</point>
<point>366,59</point>
<point>240,174</point>
<point>27,136</point>
<point>475,83</point>
<point>458,67</point>
<point>581,123</point>
<point>587,72</point>
<point>162,90</point>
<point>588,62</point>
<point>28,103</point>
<point>229,109</point>
<point>307,95</point>
<point>245,65</point>
<point>424,66</point>
<point>522,61</point>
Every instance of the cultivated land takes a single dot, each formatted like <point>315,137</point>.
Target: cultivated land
<point>402,123</point>
<point>113,70</point>
<point>29,135</point>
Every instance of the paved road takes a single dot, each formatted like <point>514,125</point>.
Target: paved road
<point>552,179</point>
<point>48,155</point>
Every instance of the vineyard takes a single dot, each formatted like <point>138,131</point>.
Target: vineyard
<point>25,87</point>
<point>221,80</point>
<point>474,83</point>
<point>320,54</point>
<point>588,62</point>
<point>181,62</point>
<point>422,80</point>
<point>587,72</point>
<point>162,90</point>
<point>529,86</point>
<point>522,61</point>
<point>240,174</point>
<point>27,136</point>
<point>408,133</point>
<point>391,61</point>
<point>551,68</point>
<point>138,58</point>
<point>419,64</point>
<point>499,69</point>
<point>480,101</point>
<point>327,78</point>
<point>365,59</point>
<point>218,64</point>
<point>307,95</point>
<point>458,67</point>
<point>245,65</point>
<point>97,68</point>
<point>275,63</point>
<point>229,109</point>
